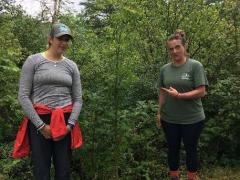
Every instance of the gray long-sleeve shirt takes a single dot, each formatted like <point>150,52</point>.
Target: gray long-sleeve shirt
<point>52,83</point>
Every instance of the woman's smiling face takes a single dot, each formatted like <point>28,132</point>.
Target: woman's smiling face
<point>60,44</point>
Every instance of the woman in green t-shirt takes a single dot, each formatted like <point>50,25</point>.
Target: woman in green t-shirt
<point>182,83</point>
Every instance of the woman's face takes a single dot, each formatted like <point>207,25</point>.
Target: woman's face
<point>176,50</point>
<point>60,44</point>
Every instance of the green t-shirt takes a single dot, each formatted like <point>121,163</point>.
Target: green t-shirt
<point>183,78</point>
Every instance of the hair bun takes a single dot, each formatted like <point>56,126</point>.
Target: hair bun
<point>180,32</point>
<point>179,35</point>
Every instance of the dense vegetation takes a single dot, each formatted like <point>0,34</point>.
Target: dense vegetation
<point>119,47</point>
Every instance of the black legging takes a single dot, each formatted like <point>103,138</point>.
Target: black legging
<point>189,133</point>
<point>46,150</point>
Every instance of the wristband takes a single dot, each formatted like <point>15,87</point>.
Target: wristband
<point>40,127</point>
<point>71,126</point>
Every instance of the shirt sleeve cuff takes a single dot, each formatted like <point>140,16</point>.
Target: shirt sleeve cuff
<point>71,125</point>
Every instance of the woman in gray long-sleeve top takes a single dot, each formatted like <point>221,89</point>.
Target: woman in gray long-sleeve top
<point>52,80</point>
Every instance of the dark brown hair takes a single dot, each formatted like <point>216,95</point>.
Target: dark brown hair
<point>178,34</point>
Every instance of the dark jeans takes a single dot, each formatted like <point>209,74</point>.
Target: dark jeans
<point>189,134</point>
<point>45,150</point>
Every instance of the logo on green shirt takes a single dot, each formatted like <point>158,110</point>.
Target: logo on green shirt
<point>185,76</point>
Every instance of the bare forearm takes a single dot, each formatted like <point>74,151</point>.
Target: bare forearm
<point>197,93</point>
<point>160,100</point>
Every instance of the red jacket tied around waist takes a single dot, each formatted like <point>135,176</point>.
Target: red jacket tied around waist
<point>58,128</point>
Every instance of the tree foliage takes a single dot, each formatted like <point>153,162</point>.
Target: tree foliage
<point>119,47</point>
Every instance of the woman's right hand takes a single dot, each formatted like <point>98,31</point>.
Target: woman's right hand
<point>158,123</point>
<point>46,132</point>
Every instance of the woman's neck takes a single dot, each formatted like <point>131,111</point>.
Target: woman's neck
<point>52,55</point>
<point>180,62</point>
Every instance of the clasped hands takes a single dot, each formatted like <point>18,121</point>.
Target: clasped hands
<point>46,132</point>
<point>171,92</point>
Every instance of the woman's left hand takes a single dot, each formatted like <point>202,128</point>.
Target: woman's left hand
<point>171,92</point>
